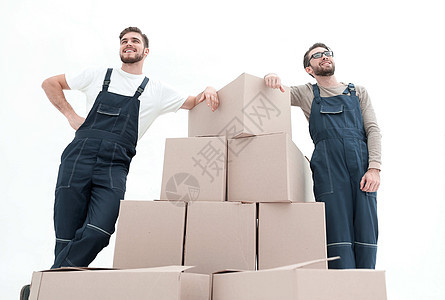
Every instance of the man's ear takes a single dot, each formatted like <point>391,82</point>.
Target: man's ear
<point>309,70</point>
<point>146,50</point>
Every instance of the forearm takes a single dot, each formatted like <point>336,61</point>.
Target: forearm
<point>372,130</point>
<point>209,95</point>
<point>191,102</point>
<point>374,149</point>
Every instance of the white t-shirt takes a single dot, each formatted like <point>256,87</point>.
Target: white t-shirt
<point>157,98</point>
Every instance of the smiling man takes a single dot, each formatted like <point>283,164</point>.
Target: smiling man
<point>122,104</point>
<point>346,159</point>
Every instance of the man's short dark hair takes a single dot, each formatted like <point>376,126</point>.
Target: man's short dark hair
<point>134,29</point>
<point>306,55</point>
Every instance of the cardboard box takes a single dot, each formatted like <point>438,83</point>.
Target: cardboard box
<point>290,233</point>
<point>168,283</point>
<point>247,107</point>
<point>195,169</point>
<point>298,283</point>
<point>220,235</point>
<point>149,234</point>
<point>267,168</point>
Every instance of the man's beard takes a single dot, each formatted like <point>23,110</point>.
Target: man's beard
<point>319,71</point>
<point>132,60</point>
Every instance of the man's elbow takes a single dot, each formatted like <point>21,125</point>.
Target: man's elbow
<point>49,83</point>
<point>45,84</point>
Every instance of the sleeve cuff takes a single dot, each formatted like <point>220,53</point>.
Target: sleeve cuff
<point>374,165</point>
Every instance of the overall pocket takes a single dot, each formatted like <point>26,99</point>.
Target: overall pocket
<point>332,116</point>
<point>106,117</point>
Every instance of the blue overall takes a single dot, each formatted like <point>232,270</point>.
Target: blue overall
<point>92,177</point>
<point>339,161</point>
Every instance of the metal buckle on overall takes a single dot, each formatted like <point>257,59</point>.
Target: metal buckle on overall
<point>106,84</point>
<point>351,87</point>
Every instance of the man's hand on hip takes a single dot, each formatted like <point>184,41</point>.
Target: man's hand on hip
<point>75,121</point>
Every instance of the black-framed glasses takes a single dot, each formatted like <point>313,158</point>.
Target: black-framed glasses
<point>320,54</point>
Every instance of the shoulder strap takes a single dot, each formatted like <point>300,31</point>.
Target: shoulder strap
<point>141,88</point>
<point>350,89</point>
<point>107,80</point>
<point>316,93</point>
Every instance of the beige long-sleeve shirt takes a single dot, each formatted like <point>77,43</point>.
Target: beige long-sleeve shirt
<point>303,96</point>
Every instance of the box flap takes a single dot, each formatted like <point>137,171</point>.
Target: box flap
<point>288,267</point>
<point>230,271</point>
<point>65,269</point>
<point>166,269</point>
<point>149,283</point>
<point>303,264</point>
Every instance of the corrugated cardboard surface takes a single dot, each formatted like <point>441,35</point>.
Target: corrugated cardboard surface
<point>290,233</point>
<point>247,107</point>
<point>195,169</point>
<point>157,284</point>
<point>266,168</point>
<point>220,235</point>
<point>149,234</point>
<point>296,283</point>
<point>195,286</point>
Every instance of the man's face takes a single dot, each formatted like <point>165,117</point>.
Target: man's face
<point>132,48</point>
<point>323,66</point>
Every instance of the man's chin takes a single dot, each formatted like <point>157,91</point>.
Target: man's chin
<point>132,60</point>
<point>326,72</point>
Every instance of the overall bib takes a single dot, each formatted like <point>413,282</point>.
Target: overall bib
<point>339,161</point>
<point>92,177</point>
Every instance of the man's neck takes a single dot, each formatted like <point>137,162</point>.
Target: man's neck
<point>135,68</point>
<point>327,81</point>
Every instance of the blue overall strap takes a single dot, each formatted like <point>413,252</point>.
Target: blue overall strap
<point>107,80</point>
<point>141,88</point>
<point>316,93</point>
<point>350,89</point>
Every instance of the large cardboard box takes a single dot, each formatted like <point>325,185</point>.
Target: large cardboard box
<point>149,234</point>
<point>247,107</point>
<point>267,168</point>
<point>220,235</point>
<point>290,233</point>
<point>167,283</point>
<point>195,169</point>
<point>298,283</point>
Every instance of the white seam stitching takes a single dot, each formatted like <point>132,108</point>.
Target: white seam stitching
<point>341,243</point>
<point>63,240</point>
<point>100,229</point>
<point>366,244</point>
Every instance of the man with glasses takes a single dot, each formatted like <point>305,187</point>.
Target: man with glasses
<point>346,159</point>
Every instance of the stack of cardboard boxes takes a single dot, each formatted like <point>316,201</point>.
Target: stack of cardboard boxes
<point>236,195</point>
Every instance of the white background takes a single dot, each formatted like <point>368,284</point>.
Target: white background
<point>393,48</point>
